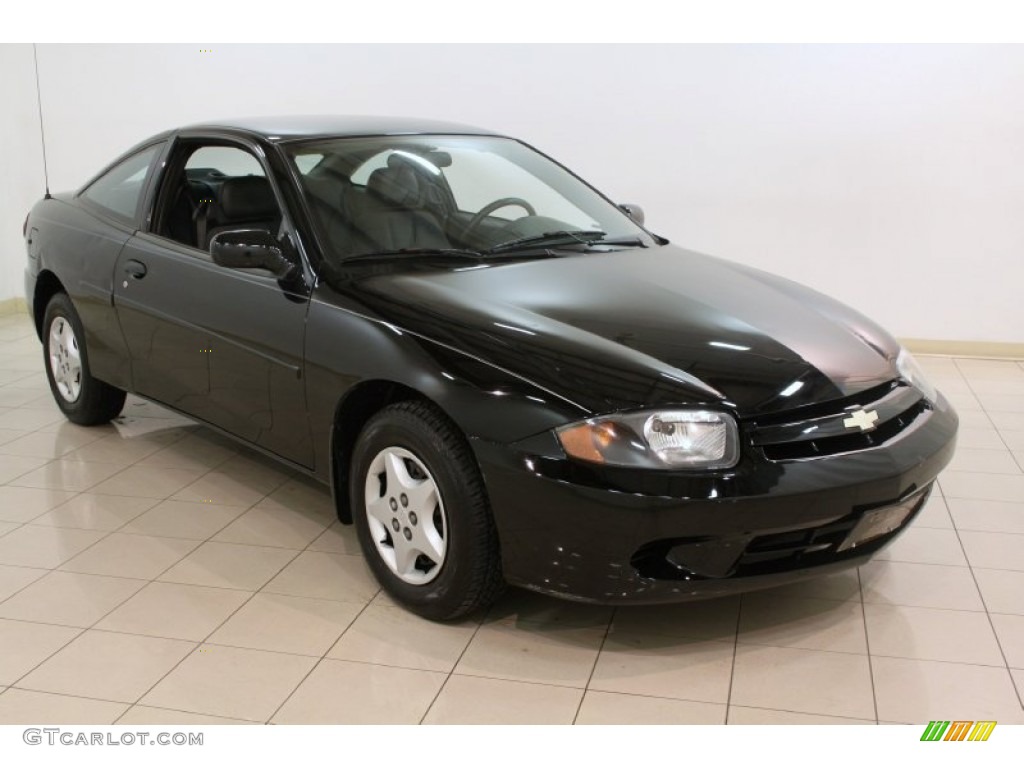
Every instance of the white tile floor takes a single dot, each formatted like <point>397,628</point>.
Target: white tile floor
<point>153,572</point>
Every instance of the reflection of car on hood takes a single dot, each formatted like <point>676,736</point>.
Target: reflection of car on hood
<point>503,376</point>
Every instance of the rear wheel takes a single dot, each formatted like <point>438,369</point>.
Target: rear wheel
<point>83,399</point>
<point>422,514</point>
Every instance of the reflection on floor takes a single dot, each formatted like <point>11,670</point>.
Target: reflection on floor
<point>153,572</point>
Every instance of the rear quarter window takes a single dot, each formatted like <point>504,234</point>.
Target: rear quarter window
<point>119,190</point>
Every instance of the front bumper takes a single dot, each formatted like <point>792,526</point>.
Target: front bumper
<point>621,536</point>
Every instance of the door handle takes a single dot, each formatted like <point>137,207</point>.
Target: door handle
<point>135,268</point>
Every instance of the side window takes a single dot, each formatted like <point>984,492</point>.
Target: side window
<point>214,188</point>
<point>225,161</point>
<point>119,190</point>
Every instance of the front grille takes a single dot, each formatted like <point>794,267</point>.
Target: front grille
<point>820,432</point>
<point>744,555</point>
<point>775,552</point>
<point>854,441</point>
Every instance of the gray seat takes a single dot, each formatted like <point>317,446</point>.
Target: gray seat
<point>329,194</point>
<point>245,202</point>
<point>393,214</point>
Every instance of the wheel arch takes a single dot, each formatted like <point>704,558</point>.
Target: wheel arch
<point>48,285</point>
<point>353,410</point>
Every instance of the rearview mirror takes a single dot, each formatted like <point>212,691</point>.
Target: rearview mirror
<point>250,249</point>
<point>634,211</point>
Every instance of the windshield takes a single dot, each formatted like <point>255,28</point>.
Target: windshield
<point>472,194</point>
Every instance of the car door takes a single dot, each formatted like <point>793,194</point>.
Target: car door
<point>223,345</point>
<point>92,234</point>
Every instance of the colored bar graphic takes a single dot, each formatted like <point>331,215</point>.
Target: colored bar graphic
<point>982,730</point>
<point>958,730</point>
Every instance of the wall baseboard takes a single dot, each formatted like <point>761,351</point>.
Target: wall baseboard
<point>1002,350</point>
<point>13,306</point>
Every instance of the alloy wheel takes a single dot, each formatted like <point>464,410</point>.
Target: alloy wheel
<point>65,359</point>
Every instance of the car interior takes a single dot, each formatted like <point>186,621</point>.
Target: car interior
<point>200,202</point>
<point>386,201</point>
<point>401,205</point>
<point>406,202</point>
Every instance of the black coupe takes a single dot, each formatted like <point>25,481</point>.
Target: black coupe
<point>502,375</point>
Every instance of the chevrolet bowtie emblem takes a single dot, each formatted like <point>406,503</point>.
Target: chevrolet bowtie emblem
<point>863,419</point>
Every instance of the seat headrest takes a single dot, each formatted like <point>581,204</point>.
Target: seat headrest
<point>396,186</point>
<point>248,197</point>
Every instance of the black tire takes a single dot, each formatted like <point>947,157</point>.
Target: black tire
<point>469,578</point>
<point>95,402</point>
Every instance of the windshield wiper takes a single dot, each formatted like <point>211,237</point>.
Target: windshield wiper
<point>546,240</point>
<point>566,237</point>
<point>402,252</point>
<point>561,237</point>
<point>624,240</point>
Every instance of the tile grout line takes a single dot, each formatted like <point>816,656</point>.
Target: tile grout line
<point>451,672</point>
<point>179,639</point>
<point>298,554</point>
<point>198,644</point>
<point>867,645</point>
<point>319,661</point>
<point>22,589</point>
<point>184,712</point>
<point>735,651</point>
<point>124,525</point>
<point>126,704</point>
<point>99,427</point>
<point>981,594</point>
<point>157,502</point>
<point>82,632</point>
<point>742,706</point>
<point>55,569</point>
<point>149,581</point>
<point>187,431</point>
<point>1013,454</point>
<point>93,628</point>
<point>593,667</point>
<point>77,493</point>
<point>106,531</point>
<point>72,639</point>
<point>630,694</point>
<point>967,380</point>
<point>991,623</point>
<point>32,432</point>
<point>369,602</point>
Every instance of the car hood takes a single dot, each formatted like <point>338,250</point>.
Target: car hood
<point>634,328</point>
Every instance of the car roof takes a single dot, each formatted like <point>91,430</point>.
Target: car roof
<point>290,128</point>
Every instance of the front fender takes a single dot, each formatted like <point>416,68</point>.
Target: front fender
<point>345,348</point>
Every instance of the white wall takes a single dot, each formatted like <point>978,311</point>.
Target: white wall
<point>889,177</point>
<point>21,161</point>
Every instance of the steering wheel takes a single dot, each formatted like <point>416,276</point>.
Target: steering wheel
<point>490,208</point>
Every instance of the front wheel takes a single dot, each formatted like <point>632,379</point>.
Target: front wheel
<point>83,399</point>
<point>422,515</point>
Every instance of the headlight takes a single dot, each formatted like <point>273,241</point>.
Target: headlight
<point>911,372</point>
<point>655,440</point>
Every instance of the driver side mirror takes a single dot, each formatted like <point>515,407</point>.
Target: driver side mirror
<point>250,249</point>
<point>634,211</point>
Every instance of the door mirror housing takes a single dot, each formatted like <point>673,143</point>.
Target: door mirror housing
<point>250,249</point>
<point>634,211</point>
